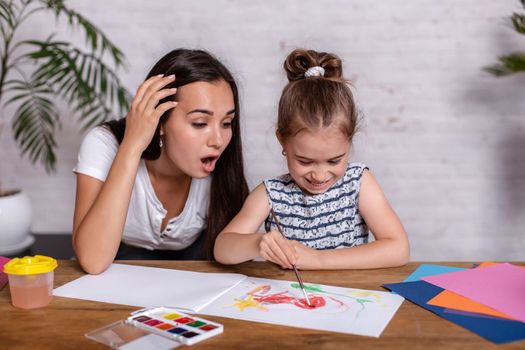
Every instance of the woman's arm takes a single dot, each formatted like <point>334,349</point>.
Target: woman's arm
<point>100,212</point>
<point>390,248</point>
<point>239,242</point>
<point>101,207</point>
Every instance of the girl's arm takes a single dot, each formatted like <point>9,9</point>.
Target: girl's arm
<point>239,241</point>
<point>390,248</point>
<point>101,207</point>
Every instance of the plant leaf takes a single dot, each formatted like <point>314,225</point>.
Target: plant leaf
<point>97,40</point>
<point>82,79</point>
<point>510,64</point>
<point>35,122</point>
<point>57,70</point>
<point>6,12</point>
<point>518,22</point>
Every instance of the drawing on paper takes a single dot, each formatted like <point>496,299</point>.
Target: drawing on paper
<point>263,298</point>
<point>336,309</point>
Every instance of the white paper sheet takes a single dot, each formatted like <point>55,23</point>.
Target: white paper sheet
<point>345,310</point>
<point>149,286</point>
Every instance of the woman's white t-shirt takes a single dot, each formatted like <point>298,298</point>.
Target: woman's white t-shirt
<point>145,213</point>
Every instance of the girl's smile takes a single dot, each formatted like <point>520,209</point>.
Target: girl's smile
<point>319,186</point>
<point>317,159</point>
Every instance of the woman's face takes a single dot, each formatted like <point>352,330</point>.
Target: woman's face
<point>199,128</point>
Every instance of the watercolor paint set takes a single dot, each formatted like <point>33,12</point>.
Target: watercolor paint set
<point>175,325</point>
<point>145,326</point>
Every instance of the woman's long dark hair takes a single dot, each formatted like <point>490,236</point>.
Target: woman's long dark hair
<point>228,187</point>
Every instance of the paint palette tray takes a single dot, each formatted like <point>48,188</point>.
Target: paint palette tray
<point>175,325</point>
<point>155,328</point>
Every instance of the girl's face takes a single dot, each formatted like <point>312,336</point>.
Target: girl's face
<point>199,128</point>
<point>317,158</point>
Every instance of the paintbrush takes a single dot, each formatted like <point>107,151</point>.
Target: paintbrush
<point>274,217</point>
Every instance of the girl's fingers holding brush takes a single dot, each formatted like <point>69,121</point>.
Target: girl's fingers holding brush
<point>288,249</point>
<point>269,256</point>
<point>271,247</point>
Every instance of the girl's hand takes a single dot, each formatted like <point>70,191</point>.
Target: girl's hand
<point>277,249</point>
<point>307,258</point>
<point>144,115</point>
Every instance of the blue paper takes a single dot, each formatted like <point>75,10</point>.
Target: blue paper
<point>467,313</point>
<point>430,270</point>
<point>497,330</point>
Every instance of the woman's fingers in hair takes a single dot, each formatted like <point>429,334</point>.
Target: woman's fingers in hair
<point>162,108</point>
<point>148,88</point>
<point>151,106</point>
<point>141,90</point>
<point>153,90</point>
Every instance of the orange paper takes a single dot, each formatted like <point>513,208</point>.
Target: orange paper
<point>452,300</point>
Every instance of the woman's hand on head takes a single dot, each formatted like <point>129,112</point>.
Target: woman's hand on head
<point>145,112</point>
<point>277,249</point>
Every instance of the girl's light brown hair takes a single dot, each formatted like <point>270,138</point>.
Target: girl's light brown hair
<point>315,102</point>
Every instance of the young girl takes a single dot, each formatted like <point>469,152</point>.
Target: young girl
<point>145,179</point>
<point>325,205</point>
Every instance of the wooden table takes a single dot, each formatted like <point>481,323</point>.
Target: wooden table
<point>63,323</point>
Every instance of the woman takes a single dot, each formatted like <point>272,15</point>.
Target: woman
<point>169,176</point>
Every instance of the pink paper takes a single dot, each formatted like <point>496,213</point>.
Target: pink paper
<point>3,276</point>
<point>501,287</point>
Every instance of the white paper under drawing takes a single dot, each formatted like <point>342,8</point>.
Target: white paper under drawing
<point>148,286</point>
<point>345,310</point>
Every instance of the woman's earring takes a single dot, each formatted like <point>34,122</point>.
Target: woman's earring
<point>161,143</point>
<point>283,153</point>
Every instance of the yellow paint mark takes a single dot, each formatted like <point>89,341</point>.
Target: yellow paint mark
<point>248,302</point>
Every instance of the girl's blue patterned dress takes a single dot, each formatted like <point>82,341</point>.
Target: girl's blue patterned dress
<point>329,220</point>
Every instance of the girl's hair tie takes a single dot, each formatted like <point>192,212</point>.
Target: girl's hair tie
<point>316,71</point>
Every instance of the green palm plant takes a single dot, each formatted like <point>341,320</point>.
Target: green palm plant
<point>36,74</point>
<point>514,62</point>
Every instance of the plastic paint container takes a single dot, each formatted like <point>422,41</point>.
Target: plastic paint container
<point>31,281</point>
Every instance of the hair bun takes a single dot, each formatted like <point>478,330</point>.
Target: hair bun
<point>299,61</point>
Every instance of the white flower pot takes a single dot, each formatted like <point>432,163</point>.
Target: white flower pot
<point>15,223</point>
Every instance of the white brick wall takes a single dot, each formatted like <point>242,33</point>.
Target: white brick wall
<point>445,140</point>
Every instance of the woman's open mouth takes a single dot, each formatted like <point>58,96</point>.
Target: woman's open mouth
<point>208,163</point>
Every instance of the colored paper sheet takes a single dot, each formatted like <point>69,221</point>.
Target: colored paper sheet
<point>3,276</point>
<point>430,270</point>
<point>497,330</point>
<point>452,300</point>
<point>472,314</point>
<point>448,299</point>
<point>500,287</point>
